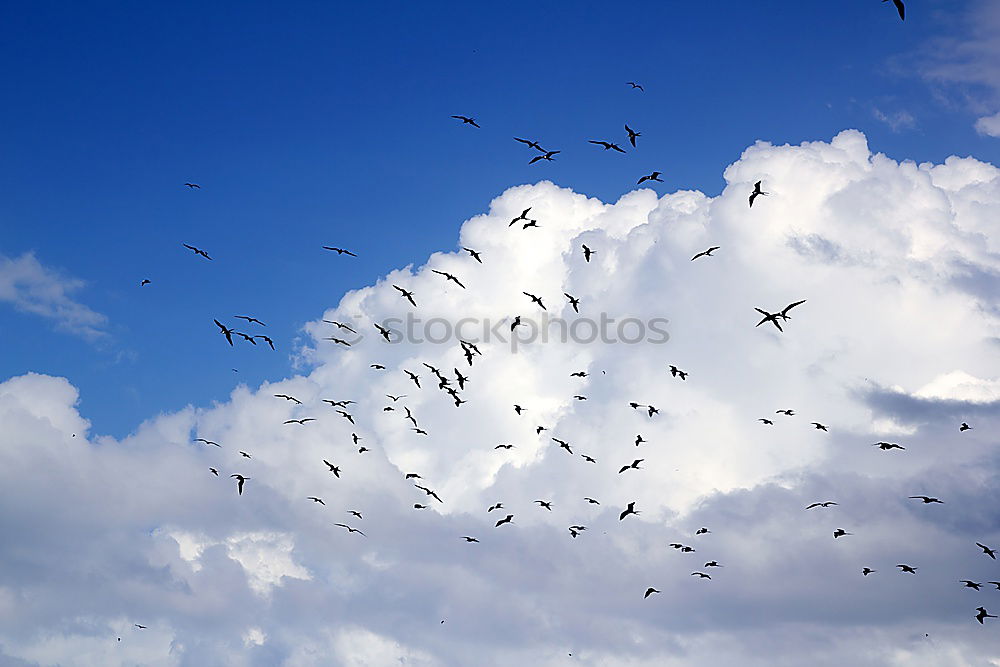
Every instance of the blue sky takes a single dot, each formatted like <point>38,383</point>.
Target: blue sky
<point>322,123</point>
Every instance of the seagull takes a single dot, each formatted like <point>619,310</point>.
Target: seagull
<point>982,614</point>
<point>632,134</point>
<point>649,591</point>
<point>466,120</point>
<point>250,320</point>
<point>629,510</point>
<point>300,421</point>
<point>756,191</point>
<point>507,519</point>
<point>334,469</point>
<point>535,299</point>
<point>316,500</point>
<point>840,532</point>
<point>608,145</point>
<point>239,482</point>
<point>634,464</point>
<point>406,295</point>
<point>706,253</point>
<point>634,85</point>
<point>573,301</point>
<point>228,333</point>
<point>927,499</point>
<point>531,144</point>
<point>338,341</point>
<point>547,156</point>
<point>523,216</point>
<point>207,442</point>
<point>196,251</point>
<point>473,254</point>
<point>587,252</point>
<point>655,176</point>
<point>902,17</point>
<point>986,550</point>
<point>907,568</point>
<point>349,529</point>
<point>818,426</point>
<point>192,186</point>
<point>828,503</point>
<point>450,277</point>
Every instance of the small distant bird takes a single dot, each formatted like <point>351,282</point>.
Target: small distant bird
<point>228,333</point>
<point>789,413</point>
<point>193,186</point>
<point>523,216</point>
<point>635,85</point>
<point>334,469</point>
<point>563,444</point>
<point>450,277</point>
<point>239,482</point>
<point>818,426</point>
<point>767,422</point>
<point>502,446</point>
<point>578,374</point>
<point>208,442</point>
<point>982,614</point>
<point>901,9</point>
<point>245,455</point>
<point>927,499</point>
<point>140,627</point>
<point>531,144</point>
<point>214,471</point>
<point>535,299</point>
<point>655,176</point>
<point>316,500</point>
<point>473,254</point>
<point>702,531</point>
<point>828,503</point>
<point>712,563</point>
<point>706,253</point>
<point>632,134</point>
<point>518,409</point>
<point>986,550</point>
<point>197,251</point>
<point>466,120</point>
<point>340,325</point>
<point>964,427</point>
<point>250,320</point>
<point>544,503</point>
<point>587,252</point>
<point>756,192</point>
<point>418,506</point>
<point>886,446</point>
<point>906,568</point>
<point>588,459</point>
<point>412,475</point>
<point>840,532</point>
<point>676,372</point>
<point>867,570</point>
<point>700,574</point>
<point>573,301</point>
<point>649,591</point>
<point>289,398</point>
<point>145,282</point>
<point>592,501</point>
<point>498,506</point>
<point>508,519</point>
<point>406,295</point>
<point>629,510</point>
<point>380,367</point>
<point>385,334</point>
<point>634,464</point>
<point>469,539</point>
<point>349,529</point>
<point>970,584</point>
<point>300,421</point>
<point>266,340</point>
<point>608,145</point>
<point>639,440</point>
<point>429,492</point>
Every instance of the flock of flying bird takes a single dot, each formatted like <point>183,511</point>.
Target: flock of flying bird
<point>454,382</point>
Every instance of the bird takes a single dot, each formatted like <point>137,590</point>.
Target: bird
<point>197,251</point>
<point>461,379</point>
<point>414,377</point>
<point>349,529</point>
<point>970,584</point>
<point>676,372</point>
<point>530,144</point>
<point>573,301</point>
<point>316,500</point>
<point>766,422</point>
<point>964,427</point>
<point>649,591</point>
<point>412,475</point>
<point>429,492</point>
<point>507,519</point>
<point>250,320</point>
<point>784,311</point>
<point>818,426</point>
<point>469,539</point>
<point>498,506</point>
<point>712,563</point>
<point>473,254</point>
<point>466,120</point>
<point>702,531</point>
<point>587,252</point>
<point>632,134</point>
<point>995,583</point>
<point>450,277</point>
<point>901,9</point>
<point>789,413</point>
<point>927,499</point>
<point>700,574</point>
<point>840,532</point>
<point>245,455</point>
<point>239,482</point>
<point>547,156</point>
<point>340,325</point>
<point>563,444</point>
<point>208,442</point>
<point>418,506</point>
<point>592,501</point>
<point>214,471</point>
<point>578,397</point>
<point>228,333</point>
<point>578,374</point>
<point>756,191</point>
<point>982,614</point>
<point>145,282</point>
<point>608,145</point>
<point>266,340</point>
<point>300,421</point>
<point>986,550</point>
<point>334,469</point>
<point>588,459</point>
<point>655,176</point>
<point>380,367</point>
<point>629,510</point>
<point>886,446</point>
<point>140,627</point>
<point>535,299</point>
<point>867,570</point>
<point>419,431</point>
<point>769,317</point>
<point>906,568</point>
<point>385,334</point>
<point>546,504</point>
<point>635,85</point>
<point>523,216</point>
<point>406,295</point>
<point>706,253</point>
<point>192,186</point>
<point>652,411</point>
<point>338,341</point>
<point>827,503</point>
<point>502,446</point>
<point>634,464</point>
<point>639,440</point>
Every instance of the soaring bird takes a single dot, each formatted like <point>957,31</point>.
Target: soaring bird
<point>469,539</point>
<point>632,134</point>
<point>655,176</point>
<point>789,413</point>
<point>316,500</point>
<point>507,519</point>
<point>214,471</point>
<point>406,295</point>
<point>970,584</point>
<point>784,311</point>
<point>300,421</point>
<point>473,254</point>
<point>700,574</point>
<point>573,301</point>
<point>635,85</point>
<point>145,282</point>
<point>769,317</point>
<point>702,531</point>
<point>239,482</point>
<point>902,17</point>
<point>712,563</point>
<point>587,252</point>
<point>906,568</point>
<point>818,426</point>
<point>197,251</point>
<point>964,427</point>
<point>982,614</point>
<point>634,464</point>
<point>429,492</point>
<point>827,503</point>
<point>592,501</point>
<point>706,253</point>
<point>649,591</point>
<point>250,320</point>
<point>756,191</point>
<point>608,145</point>
<point>245,455</point>
<point>140,627</point>
<point>466,120</point>
<point>498,506</point>
<point>563,444</point>
<point>676,372</point>
<point>334,469</point>
<point>349,529</point>
<point>927,499</point>
<point>535,299</point>
<point>450,277</point>
<point>547,504</point>
<point>531,144</point>
<point>228,333</point>
<point>341,325</point>
<point>192,186</point>
<point>629,510</point>
<point>867,570</point>
<point>208,442</point>
<point>986,550</point>
<point>840,532</point>
<point>339,251</point>
<point>766,422</point>
<point>523,216</point>
<point>547,156</point>
<point>886,446</point>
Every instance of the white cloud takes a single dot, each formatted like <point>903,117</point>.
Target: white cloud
<point>33,288</point>
<point>989,125</point>
<point>896,120</point>
<point>896,341</point>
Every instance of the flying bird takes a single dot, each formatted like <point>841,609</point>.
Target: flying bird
<point>986,550</point>
<point>385,334</point>
<point>629,510</point>
<point>700,574</point>
<point>197,251</point>
<point>766,422</point>
<point>214,471</point>
<point>406,295</point>
<point>450,277</point>
<point>756,192</point>
<point>573,301</point>
<point>867,570</point>
<point>927,499</point>
<point>818,426</point>
<point>473,254</point>
<point>634,464</point>
<point>469,539</point>
<point>649,591</point>
<point>507,519</point>
<point>906,568</point>
<point>608,145</point>
<point>982,614</point>
<point>349,529</point>
<point>587,252</point>
<point>207,442</point>
<point>523,216</point>
<point>316,500</point>
<point>192,186</point>
<point>239,482</point>
<point>886,446</point>
<point>655,176</point>
<point>266,340</point>
<point>840,532</point>
<point>466,120</point>
<point>789,413</point>
<point>964,427</point>
<point>340,325</point>
<point>676,372</point>
<point>300,421</point>
<point>970,584</point>
<point>535,299</point>
<point>632,134</point>
<point>250,320</point>
<point>546,504</point>
<point>547,156</point>
<point>706,253</point>
<point>334,469</point>
<point>901,9</point>
<point>828,503</point>
<point>634,85</point>
<point>530,144</point>
<point>145,282</point>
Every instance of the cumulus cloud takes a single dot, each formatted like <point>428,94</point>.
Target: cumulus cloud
<point>896,341</point>
<point>989,125</point>
<point>33,288</point>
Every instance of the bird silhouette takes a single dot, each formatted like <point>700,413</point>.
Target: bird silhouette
<point>986,550</point>
<point>964,427</point>
<point>635,85</point>
<point>197,251</point>
<point>608,145</point>
<point>886,446</point>
<point>469,539</point>
<point>545,503</point>
<point>316,500</point>
<point>573,301</point>
<point>676,372</point>
<point>523,216</point>
<point>655,176</point>
<point>649,591</point>
<point>535,299</point>
<point>840,532</point>
<point>240,479</point>
<point>300,421</point>
<point>473,254</point>
<point>350,530</point>
<point>466,120</point>
<point>592,501</point>
<point>228,333</point>
<point>341,325</point>
<point>818,426</point>
<point>633,465</point>
<point>208,442</point>
<point>700,574</point>
<point>530,144</point>
<point>906,568</point>
<point>547,156</point>
<point>214,471</point>
<point>587,252</point>
<point>970,584</point>
<point>193,186</point>
<point>250,320</point>
<point>983,614</point>
<point>927,499</point>
<point>827,503</point>
<point>406,295</point>
<point>867,570</point>
<point>706,253</point>
<point>145,282</point>
<point>766,422</point>
<point>756,192</point>
<point>334,469</point>
<point>630,509</point>
<point>901,10</point>
<point>632,134</point>
<point>507,519</point>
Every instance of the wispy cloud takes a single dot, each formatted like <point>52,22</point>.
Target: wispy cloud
<point>896,120</point>
<point>31,287</point>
